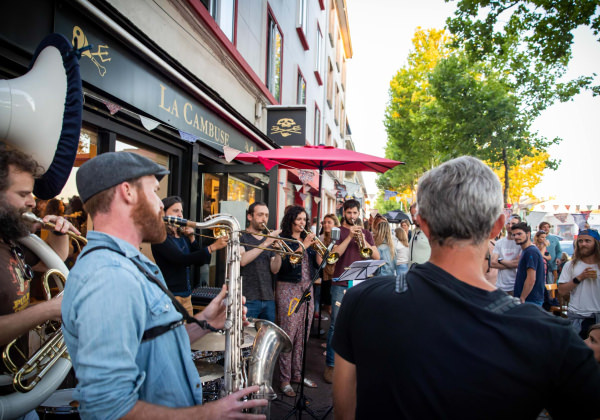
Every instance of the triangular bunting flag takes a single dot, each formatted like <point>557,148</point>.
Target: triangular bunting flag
<point>305,175</point>
<point>267,163</point>
<point>577,207</point>
<point>149,124</point>
<point>562,217</point>
<point>317,200</point>
<point>555,207</point>
<point>297,187</point>
<point>589,207</point>
<point>190,138</point>
<point>567,206</point>
<point>112,108</point>
<point>306,189</point>
<point>230,153</point>
<point>286,189</point>
<point>303,196</point>
<point>579,221</point>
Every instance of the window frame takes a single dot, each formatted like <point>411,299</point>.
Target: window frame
<point>271,25</point>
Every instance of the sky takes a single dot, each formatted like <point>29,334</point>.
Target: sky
<point>381,32</point>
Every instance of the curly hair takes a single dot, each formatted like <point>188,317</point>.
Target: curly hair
<point>22,162</point>
<point>288,221</point>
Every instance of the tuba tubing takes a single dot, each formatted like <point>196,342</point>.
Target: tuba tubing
<point>17,404</point>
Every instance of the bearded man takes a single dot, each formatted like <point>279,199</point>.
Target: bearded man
<point>579,278</point>
<point>129,346</point>
<point>17,265</point>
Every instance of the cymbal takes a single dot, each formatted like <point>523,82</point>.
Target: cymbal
<point>208,371</point>
<point>216,342</point>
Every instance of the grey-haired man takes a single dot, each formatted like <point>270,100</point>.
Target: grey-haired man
<point>445,343</point>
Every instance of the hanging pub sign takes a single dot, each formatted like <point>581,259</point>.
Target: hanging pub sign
<point>286,125</point>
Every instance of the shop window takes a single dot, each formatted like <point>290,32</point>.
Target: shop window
<point>160,158</point>
<point>242,191</point>
<point>210,198</point>
<point>87,149</point>
<point>274,55</point>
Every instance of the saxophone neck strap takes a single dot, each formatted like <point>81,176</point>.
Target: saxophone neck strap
<point>154,332</point>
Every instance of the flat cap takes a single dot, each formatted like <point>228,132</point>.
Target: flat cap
<point>110,169</point>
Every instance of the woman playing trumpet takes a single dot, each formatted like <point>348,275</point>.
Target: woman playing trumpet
<point>292,279</point>
<point>179,251</point>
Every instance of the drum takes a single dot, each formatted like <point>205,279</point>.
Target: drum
<point>60,405</point>
<point>211,346</point>
<point>211,376</point>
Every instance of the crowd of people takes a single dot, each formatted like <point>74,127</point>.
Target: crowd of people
<point>458,299</point>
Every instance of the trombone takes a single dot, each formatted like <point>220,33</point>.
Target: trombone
<point>220,231</point>
<point>32,218</point>
<point>321,248</point>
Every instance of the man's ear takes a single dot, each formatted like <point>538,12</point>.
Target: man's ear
<point>127,192</point>
<point>423,225</point>
<point>498,225</point>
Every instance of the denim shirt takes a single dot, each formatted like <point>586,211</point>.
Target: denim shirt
<point>389,268</point>
<point>107,305</point>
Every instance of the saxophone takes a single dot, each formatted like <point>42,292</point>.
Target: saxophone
<point>270,340</point>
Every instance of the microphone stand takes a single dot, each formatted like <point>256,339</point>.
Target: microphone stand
<point>302,401</point>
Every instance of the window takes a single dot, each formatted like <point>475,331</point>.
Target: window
<point>338,51</point>
<point>332,15</point>
<point>301,94</point>
<point>330,83</point>
<point>223,12</point>
<point>337,105</point>
<point>344,73</point>
<point>274,55</point>
<point>319,59</point>
<point>328,138</point>
<point>342,120</point>
<point>301,19</point>
<point>317,125</point>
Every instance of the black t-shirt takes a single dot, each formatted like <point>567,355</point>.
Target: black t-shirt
<point>257,281</point>
<point>436,351</point>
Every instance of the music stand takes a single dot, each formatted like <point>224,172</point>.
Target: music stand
<point>360,271</point>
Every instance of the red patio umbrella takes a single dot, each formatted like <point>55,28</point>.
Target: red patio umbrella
<point>320,157</point>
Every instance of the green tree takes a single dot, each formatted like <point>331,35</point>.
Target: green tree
<point>529,41</point>
<point>408,95</point>
<point>475,112</point>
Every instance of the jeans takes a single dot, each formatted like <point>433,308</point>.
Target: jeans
<point>261,309</point>
<point>337,294</point>
<point>401,268</point>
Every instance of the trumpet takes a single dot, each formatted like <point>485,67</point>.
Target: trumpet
<point>321,248</point>
<point>365,251</point>
<point>295,256</point>
<point>32,218</point>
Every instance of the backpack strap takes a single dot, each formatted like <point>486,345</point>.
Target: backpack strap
<point>154,332</point>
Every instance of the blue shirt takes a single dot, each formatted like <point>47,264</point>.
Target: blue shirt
<point>531,257</point>
<point>389,268</point>
<point>107,305</point>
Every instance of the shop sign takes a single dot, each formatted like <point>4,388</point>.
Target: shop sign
<point>113,68</point>
<point>286,125</point>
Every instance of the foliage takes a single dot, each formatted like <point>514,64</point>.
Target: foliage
<point>408,95</point>
<point>524,176</point>
<point>407,196</point>
<point>529,41</point>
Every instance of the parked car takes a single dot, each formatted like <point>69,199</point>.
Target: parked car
<point>567,246</point>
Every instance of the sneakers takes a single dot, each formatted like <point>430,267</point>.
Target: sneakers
<point>328,374</point>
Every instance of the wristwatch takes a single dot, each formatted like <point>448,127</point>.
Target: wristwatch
<point>576,280</point>
<point>500,260</point>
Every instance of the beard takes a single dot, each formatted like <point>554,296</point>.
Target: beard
<point>349,222</point>
<point>12,225</point>
<point>150,224</point>
<point>586,252</point>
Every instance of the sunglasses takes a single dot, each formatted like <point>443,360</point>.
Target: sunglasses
<point>20,257</point>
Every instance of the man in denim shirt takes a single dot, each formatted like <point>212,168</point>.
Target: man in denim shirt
<point>109,303</point>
